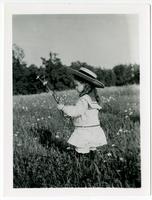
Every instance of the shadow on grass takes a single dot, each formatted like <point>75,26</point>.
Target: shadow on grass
<point>48,140</point>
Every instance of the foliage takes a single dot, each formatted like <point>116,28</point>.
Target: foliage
<point>57,74</point>
<point>59,77</point>
<point>24,78</point>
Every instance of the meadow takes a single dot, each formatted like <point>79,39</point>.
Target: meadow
<point>43,159</point>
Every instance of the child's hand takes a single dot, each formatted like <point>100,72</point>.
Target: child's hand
<point>60,106</point>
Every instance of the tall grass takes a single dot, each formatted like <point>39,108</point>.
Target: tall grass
<point>42,157</point>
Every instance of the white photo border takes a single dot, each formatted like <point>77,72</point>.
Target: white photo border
<point>143,10</point>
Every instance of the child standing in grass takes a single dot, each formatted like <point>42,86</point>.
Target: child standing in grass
<point>88,135</point>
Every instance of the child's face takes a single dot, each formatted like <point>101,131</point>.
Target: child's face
<point>79,86</point>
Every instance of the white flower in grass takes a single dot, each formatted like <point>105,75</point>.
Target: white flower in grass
<point>109,154</point>
<point>113,145</point>
<point>125,110</point>
<point>19,144</point>
<point>126,116</point>
<point>130,113</point>
<point>37,77</point>
<point>57,136</point>
<point>45,82</point>
<point>49,117</point>
<point>126,131</point>
<point>121,159</point>
<point>38,119</point>
<point>15,135</point>
<point>118,133</point>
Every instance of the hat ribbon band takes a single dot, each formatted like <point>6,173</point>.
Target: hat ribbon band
<point>87,74</point>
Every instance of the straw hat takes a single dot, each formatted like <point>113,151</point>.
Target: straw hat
<point>87,75</point>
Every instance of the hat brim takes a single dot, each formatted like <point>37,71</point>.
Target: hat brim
<point>93,81</point>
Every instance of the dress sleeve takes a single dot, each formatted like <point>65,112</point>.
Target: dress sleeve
<point>77,110</point>
<point>92,104</point>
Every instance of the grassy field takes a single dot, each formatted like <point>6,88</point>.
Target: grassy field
<point>42,157</point>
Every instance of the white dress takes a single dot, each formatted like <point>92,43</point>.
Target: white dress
<point>87,134</point>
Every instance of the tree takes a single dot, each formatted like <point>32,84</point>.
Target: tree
<point>110,77</point>
<point>136,73</point>
<point>18,53</point>
<point>120,73</point>
<point>19,67</point>
<point>56,73</point>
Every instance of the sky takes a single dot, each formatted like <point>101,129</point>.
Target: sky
<point>100,40</point>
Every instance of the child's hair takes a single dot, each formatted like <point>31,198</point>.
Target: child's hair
<point>88,89</point>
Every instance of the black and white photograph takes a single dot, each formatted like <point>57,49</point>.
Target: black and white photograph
<point>76,106</point>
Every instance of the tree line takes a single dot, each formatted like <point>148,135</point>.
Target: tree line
<point>58,76</point>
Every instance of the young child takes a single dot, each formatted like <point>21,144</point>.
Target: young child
<point>87,134</point>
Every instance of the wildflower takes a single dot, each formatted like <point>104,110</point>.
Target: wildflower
<point>132,75</point>
<point>120,130</point>
<point>112,98</point>
<point>19,144</point>
<point>109,154</point>
<point>37,77</point>
<point>118,133</point>
<point>49,117</point>
<point>130,113</point>
<point>121,159</point>
<point>42,118</point>
<point>45,82</point>
<point>113,145</point>
<point>15,135</point>
<point>57,136</point>
<point>38,119</point>
<point>126,116</point>
<point>125,110</point>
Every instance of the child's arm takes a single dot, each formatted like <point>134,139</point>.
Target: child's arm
<point>74,111</point>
